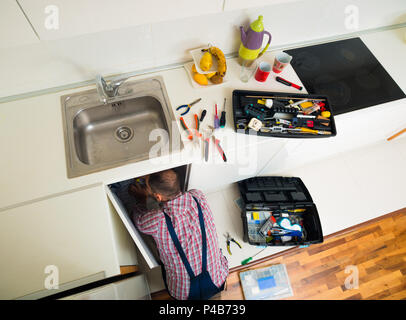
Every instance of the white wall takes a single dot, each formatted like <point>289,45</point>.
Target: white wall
<point>52,63</point>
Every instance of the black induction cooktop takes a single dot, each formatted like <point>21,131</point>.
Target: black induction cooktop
<point>347,72</point>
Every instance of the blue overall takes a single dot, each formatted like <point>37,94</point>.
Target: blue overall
<point>201,286</point>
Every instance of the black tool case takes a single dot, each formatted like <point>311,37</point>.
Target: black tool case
<point>241,119</point>
<point>279,195</point>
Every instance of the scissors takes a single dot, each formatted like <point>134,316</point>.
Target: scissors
<point>188,106</point>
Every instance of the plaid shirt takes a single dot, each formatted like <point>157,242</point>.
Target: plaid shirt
<point>185,219</point>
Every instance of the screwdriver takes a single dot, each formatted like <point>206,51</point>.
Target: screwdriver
<point>250,258</point>
<point>223,115</point>
<point>216,120</point>
<point>307,130</point>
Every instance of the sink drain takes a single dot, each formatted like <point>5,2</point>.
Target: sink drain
<point>124,134</point>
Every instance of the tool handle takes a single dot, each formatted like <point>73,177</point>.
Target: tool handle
<point>223,119</point>
<point>314,131</point>
<point>288,83</point>
<point>206,149</point>
<point>185,127</point>
<point>216,119</point>
<point>197,125</point>
<point>180,107</point>
<point>186,111</point>
<point>203,115</point>
<point>228,249</point>
<point>216,122</point>
<point>220,149</point>
<point>236,242</point>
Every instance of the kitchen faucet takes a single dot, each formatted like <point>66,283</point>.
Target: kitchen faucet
<point>108,89</point>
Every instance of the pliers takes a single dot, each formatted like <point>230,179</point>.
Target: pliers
<point>228,240</point>
<point>191,132</point>
<point>187,106</point>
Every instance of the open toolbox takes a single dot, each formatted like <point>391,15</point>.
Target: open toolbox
<point>281,114</point>
<point>278,211</point>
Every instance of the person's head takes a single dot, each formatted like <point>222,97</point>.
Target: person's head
<point>164,185</point>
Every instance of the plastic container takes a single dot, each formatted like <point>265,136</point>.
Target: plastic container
<point>278,194</point>
<point>269,283</point>
<point>242,98</point>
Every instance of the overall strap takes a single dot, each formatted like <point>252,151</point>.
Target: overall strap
<point>204,243</point>
<point>179,247</point>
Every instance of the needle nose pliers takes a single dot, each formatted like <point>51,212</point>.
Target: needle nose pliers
<point>187,106</point>
<point>228,241</point>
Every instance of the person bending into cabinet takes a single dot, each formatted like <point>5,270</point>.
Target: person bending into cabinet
<point>193,266</point>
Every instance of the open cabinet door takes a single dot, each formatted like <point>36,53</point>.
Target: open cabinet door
<point>128,223</point>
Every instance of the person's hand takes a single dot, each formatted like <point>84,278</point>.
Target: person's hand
<point>138,190</point>
<point>140,187</point>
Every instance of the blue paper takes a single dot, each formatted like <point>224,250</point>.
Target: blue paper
<point>266,283</point>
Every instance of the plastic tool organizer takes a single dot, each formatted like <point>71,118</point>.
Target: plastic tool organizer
<point>276,198</point>
<point>244,100</point>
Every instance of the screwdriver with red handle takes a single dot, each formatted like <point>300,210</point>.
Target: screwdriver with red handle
<point>216,120</point>
<point>288,83</point>
<point>217,144</point>
<point>219,148</point>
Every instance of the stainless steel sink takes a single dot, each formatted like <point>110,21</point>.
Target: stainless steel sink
<point>100,136</point>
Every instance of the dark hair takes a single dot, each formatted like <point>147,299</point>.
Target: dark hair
<point>165,183</point>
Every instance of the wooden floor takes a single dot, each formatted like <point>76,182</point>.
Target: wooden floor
<point>377,248</point>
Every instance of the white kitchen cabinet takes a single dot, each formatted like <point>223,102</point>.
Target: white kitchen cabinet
<point>14,27</point>
<point>354,130</point>
<point>66,238</point>
<point>134,288</point>
<point>283,159</point>
<point>121,206</point>
<point>137,237</point>
<point>125,246</point>
<point>242,163</point>
<point>244,4</point>
<point>76,17</point>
